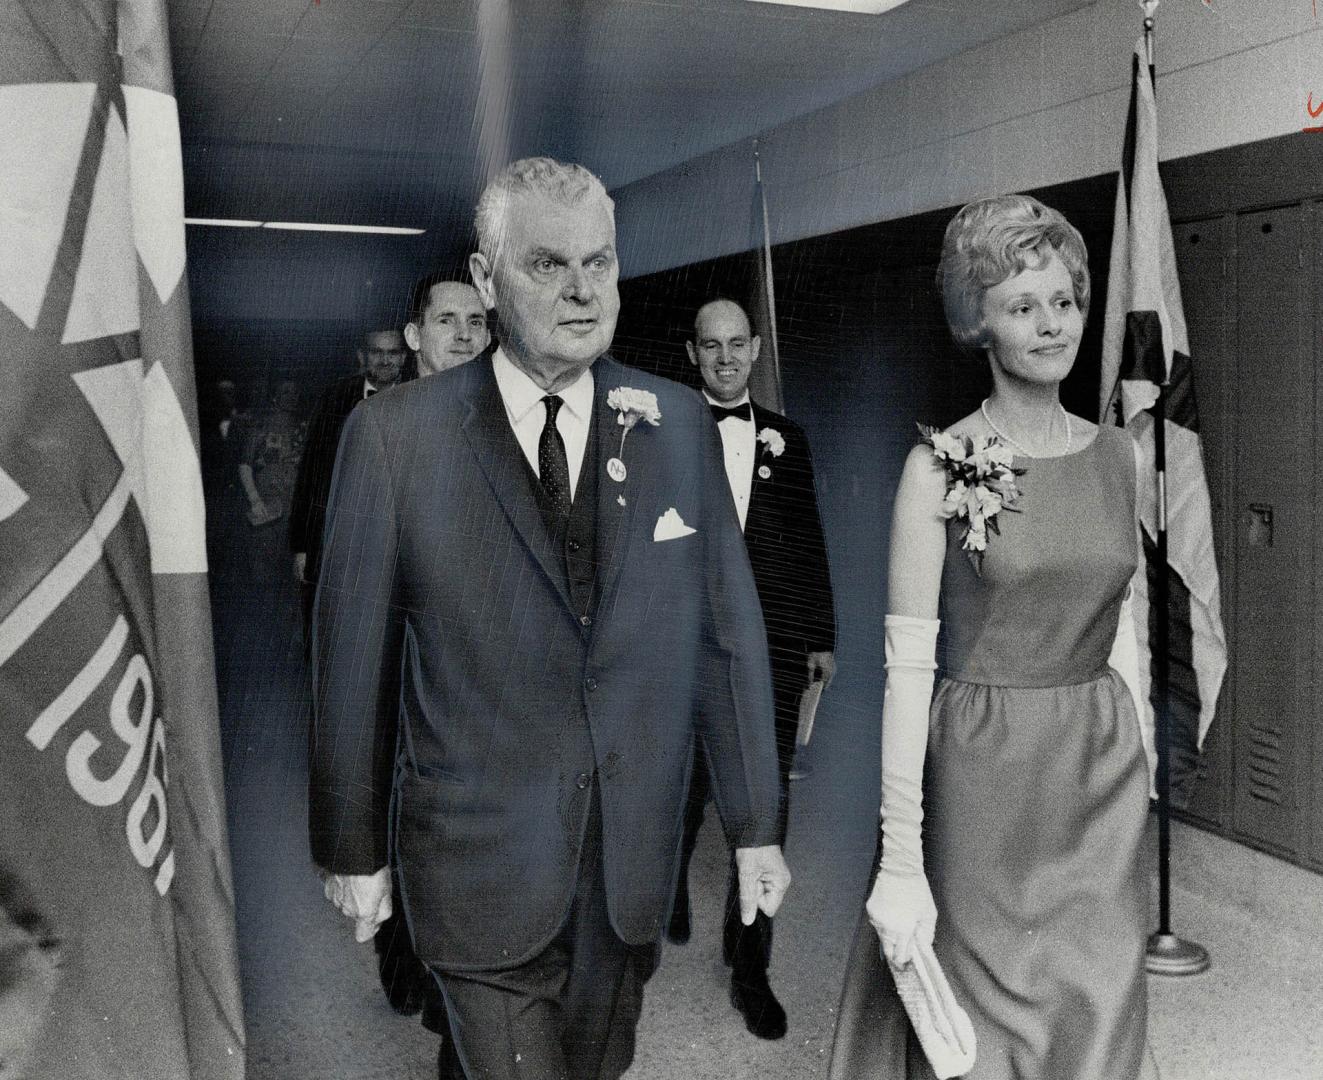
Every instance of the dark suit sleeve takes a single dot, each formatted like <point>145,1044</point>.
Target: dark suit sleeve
<point>813,593</point>
<point>300,507</point>
<point>734,708</point>
<point>357,642</point>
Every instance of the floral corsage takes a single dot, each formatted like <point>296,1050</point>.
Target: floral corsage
<point>980,484</point>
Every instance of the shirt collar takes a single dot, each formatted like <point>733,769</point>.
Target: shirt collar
<point>733,405</point>
<point>521,394</point>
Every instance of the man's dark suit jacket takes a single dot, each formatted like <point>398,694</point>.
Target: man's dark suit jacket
<point>307,514</point>
<point>445,628</point>
<point>784,535</point>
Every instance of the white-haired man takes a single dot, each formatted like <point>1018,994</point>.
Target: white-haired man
<point>518,646</point>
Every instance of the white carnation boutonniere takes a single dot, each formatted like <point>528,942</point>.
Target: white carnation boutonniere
<point>631,406</point>
<point>980,484</point>
<point>774,443</point>
<point>773,440</point>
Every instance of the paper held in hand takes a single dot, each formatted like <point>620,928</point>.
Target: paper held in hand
<point>808,709</point>
<point>942,1026</point>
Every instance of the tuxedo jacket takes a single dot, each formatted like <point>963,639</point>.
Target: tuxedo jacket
<point>470,694</point>
<point>307,515</point>
<point>783,531</point>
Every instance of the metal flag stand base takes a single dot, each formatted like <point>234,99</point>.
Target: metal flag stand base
<point>1169,955</point>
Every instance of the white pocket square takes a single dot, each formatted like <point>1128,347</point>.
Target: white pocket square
<point>671,526</point>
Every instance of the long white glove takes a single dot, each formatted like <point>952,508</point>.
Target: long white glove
<point>901,906</point>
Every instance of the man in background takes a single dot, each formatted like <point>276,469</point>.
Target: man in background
<point>771,480</point>
<point>447,324</point>
<point>381,355</point>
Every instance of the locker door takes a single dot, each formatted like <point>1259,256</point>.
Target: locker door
<point>1275,524</point>
<point>1206,261</point>
<point>1314,761</point>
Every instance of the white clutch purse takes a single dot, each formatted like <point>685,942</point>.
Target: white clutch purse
<point>942,1026</point>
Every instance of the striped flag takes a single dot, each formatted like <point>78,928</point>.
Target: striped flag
<point>1144,344</point>
<point>113,825</point>
<point>765,378</point>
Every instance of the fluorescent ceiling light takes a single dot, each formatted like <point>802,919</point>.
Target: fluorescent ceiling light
<point>310,226</point>
<point>229,223</point>
<point>858,7</point>
<point>303,226</point>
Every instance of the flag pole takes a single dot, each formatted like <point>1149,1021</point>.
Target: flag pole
<point>1167,954</point>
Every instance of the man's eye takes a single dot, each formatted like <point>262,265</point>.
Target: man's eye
<point>544,266</point>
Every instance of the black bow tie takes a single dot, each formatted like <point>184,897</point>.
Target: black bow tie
<point>742,411</point>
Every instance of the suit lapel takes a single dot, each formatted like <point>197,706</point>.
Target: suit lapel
<point>614,521</point>
<point>762,457</point>
<point>512,480</point>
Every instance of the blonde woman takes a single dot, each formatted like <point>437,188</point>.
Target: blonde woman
<point>1014,531</point>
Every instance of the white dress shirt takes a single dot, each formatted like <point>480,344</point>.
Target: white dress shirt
<point>527,415</point>
<point>739,443</point>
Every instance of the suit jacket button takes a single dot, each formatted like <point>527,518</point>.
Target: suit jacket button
<point>573,545</point>
<point>585,620</point>
<point>590,683</point>
<point>581,782</point>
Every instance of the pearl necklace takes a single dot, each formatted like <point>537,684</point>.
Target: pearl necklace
<point>983,408</point>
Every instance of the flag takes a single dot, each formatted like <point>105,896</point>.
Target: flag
<point>765,378</point>
<point>113,821</point>
<point>1145,344</point>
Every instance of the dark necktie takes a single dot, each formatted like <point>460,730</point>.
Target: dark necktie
<point>553,467</point>
<point>742,411</point>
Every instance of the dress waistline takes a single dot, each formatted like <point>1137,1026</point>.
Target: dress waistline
<point>1011,683</point>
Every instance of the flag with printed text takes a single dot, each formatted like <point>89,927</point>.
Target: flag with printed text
<point>109,760</point>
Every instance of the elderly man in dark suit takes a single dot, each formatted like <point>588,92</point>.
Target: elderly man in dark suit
<point>534,599</point>
<point>770,472</point>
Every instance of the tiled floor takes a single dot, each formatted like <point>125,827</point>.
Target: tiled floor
<point>314,1009</point>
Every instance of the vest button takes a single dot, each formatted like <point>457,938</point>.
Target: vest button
<point>585,620</point>
<point>590,684</point>
<point>582,781</point>
<point>573,545</point>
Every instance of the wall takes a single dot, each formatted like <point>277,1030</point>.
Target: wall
<point>1043,106</point>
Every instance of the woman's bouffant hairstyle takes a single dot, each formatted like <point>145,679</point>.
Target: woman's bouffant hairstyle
<point>993,239</point>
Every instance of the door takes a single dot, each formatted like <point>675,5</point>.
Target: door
<point>1272,685</point>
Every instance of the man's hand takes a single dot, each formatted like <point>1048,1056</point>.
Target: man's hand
<point>822,665</point>
<point>300,564</point>
<point>365,898</point>
<point>764,878</point>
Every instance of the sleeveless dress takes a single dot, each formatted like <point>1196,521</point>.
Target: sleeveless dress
<point>1035,798</point>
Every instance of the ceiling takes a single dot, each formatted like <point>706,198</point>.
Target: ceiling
<point>370,111</point>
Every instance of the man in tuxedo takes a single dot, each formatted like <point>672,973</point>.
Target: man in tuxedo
<point>381,355</point>
<point>770,473</point>
<point>534,599</point>
<point>447,324</point>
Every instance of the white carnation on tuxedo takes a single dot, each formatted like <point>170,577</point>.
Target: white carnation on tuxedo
<point>773,440</point>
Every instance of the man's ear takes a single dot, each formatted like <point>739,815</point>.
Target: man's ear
<point>412,337</point>
<point>362,359</point>
<point>755,344</point>
<point>693,355</point>
<point>481,271</point>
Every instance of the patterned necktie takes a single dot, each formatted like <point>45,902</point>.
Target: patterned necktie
<point>742,411</point>
<point>553,467</point>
